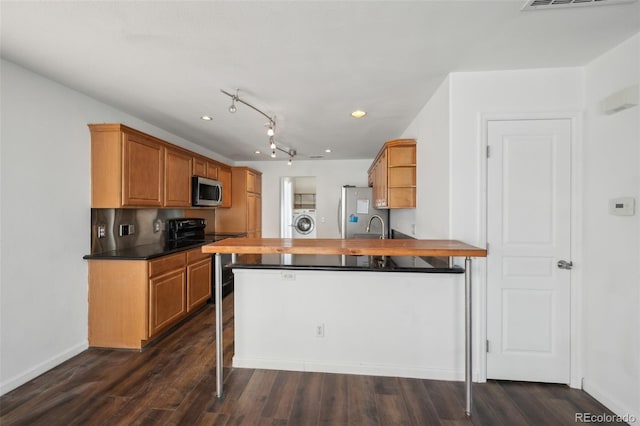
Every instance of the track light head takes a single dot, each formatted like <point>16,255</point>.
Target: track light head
<point>233,108</point>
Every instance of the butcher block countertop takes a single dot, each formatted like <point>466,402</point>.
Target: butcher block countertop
<point>370,247</point>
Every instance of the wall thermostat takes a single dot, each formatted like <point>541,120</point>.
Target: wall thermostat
<point>625,206</point>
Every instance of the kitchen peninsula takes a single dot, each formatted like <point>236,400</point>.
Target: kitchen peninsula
<point>273,300</point>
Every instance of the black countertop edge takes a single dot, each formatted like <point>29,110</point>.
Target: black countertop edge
<point>322,262</point>
<point>454,270</point>
<point>154,250</point>
<point>144,252</point>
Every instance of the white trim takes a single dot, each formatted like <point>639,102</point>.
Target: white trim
<point>611,404</point>
<point>576,119</point>
<point>43,367</point>
<point>387,370</point>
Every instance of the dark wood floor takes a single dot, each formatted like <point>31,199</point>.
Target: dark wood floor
<point>173,382</point>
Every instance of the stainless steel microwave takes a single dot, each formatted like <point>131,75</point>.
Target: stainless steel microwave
<point>205,192</point>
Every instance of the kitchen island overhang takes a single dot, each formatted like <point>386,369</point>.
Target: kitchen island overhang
<point>351,247</point>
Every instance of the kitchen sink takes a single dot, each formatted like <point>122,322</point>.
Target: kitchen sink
<point>369,235</point>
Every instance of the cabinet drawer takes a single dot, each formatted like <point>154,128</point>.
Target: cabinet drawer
<point>196,254</point>
<point>167,263</point>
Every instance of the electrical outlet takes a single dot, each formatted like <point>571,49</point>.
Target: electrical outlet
<point>288,275</point>
<point>157,225</point>
<point>320,330</point>
<point>123,230</point>
<point>102,230</point>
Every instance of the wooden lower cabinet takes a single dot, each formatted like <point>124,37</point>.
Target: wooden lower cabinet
<point>131,302</point>
<point>198,279</point>
<point>167,300</point>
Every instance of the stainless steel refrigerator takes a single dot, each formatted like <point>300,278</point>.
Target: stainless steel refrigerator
<point>355,209</point>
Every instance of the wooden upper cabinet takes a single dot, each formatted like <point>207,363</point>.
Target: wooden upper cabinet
<point>132,169</point>
<point>199,166</point>
<point>224,177</point>
<point>212,170</point>
<point>252,183</point>
<point>393,175</point>
<point>142,172</point>
<point>177,186</point>
<point>245,214</point>
<point>205,168</point>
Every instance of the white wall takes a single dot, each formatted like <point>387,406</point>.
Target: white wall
<point>448,130</point>
<point>45,222</point>
<point>496,93</point>
<point>330,176</point>
<point>430,128</point>
<point>611,283</point>
<point>390,324</point>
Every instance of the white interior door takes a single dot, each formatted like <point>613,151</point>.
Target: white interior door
<point>528,231</point>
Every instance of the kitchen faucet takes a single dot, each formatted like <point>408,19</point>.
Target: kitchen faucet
<point>381,222</point>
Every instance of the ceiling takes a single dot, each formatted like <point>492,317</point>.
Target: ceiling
<point>308,63</point>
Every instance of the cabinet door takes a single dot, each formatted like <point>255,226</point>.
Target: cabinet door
<point>212,170</point>
<point>224,176</point>
<point>380,181</point>
<point>199,167</point>
<point>177,182</point>
<point>258,216</point>
<point>143,172</point>
<point>167,302</point>
<point>198,283</point>
<point>252,209</point>
<point>251,181</point>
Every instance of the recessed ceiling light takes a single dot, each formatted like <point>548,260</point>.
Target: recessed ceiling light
<point>206,118</point>
<point>358,114</point>
<point>258,151</point>
<point>327,150</point>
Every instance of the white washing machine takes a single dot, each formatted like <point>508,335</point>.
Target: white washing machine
<point>304,223</point>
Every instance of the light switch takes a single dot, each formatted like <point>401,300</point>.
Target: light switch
<point>624,206</point>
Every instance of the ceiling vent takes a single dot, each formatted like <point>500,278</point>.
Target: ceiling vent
<point>556,4</point>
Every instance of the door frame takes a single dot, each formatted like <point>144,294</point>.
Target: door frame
<point>576,120</point>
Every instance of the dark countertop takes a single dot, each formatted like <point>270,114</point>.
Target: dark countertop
<point>145,252</point>
<point>151,251</point>
<point>316,262</point>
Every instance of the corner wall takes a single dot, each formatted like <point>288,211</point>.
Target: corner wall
<point>430,128</point>
<point>611,283</point>
<point>45,223</point>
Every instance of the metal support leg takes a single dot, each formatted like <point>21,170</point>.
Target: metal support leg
<point>218,299</point>
<point>467,335</point>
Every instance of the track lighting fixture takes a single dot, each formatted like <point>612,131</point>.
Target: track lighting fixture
<point>290,160</point>
<point>271,125</point>
<point>233,108</point>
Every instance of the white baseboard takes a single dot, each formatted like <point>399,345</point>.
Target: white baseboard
<point>347,368</point>
<point>43,367</point>
<point>612,404</point>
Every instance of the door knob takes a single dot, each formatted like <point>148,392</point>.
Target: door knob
<point>563,264</point>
